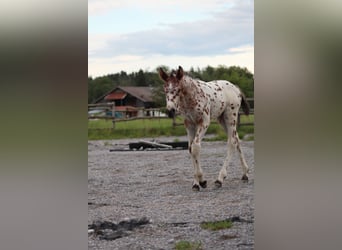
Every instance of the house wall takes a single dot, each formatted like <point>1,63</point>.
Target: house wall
<point>119,102</point>
<point>139,103</point>
<point>132,101</point>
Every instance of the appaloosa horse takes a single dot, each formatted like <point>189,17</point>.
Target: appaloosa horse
<point>199,102</point>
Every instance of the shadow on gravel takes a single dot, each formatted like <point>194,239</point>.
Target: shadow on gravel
<point>107,230</point>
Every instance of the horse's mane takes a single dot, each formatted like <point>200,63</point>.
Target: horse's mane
<point>192,77</point>
<point>173,73</point>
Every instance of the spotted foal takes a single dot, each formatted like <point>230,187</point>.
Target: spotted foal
<point>199,102</point>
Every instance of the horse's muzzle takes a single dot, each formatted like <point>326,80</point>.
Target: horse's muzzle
<point>171,113</point>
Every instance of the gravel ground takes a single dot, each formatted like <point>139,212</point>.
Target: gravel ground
<point>157,185</point>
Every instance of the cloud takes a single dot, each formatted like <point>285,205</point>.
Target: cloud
<point>213,36</point>
<point>241,49</point>
<point>224,36</point>
<point>96,7</point>
<point>131,63</point>
<point>99,42</point>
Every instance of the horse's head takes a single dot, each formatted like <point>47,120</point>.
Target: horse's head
<point>172,88</point>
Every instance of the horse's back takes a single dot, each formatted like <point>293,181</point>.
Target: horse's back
<point>222,95</point>
<point>231,91</point>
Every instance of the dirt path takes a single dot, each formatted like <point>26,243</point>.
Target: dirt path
<point>157,186</point>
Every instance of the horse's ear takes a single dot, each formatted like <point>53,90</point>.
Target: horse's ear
<point>162,74</point>
<point>180,73</point>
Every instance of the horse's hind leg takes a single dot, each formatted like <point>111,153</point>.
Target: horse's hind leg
<point>244,165</point>
<point>235,141</point>
<point>223,172</point>
<point>228,128</point>
<point>228,120</point>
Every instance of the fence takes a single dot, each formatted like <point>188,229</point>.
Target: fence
<point>251,111</point>
<point>108,111</point>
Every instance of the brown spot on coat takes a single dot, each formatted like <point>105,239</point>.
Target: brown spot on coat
<point>234,133</point>
<point>186,123</point>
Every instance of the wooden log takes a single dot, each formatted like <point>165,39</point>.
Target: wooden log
<point>155,144</point>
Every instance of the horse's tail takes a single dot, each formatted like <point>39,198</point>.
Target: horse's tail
<point>244,104</point>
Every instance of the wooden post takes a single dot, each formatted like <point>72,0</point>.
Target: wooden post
<point>113,114</point>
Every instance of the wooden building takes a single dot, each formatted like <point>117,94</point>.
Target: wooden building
<point>128,100</point>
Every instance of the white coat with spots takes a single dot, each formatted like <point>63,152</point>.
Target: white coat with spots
<point>199,102</point>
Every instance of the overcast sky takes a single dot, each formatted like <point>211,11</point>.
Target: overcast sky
<point>142,34</point>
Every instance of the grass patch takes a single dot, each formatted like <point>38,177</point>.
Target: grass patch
<point>220,135</point>
<point>187,245</point>
<point>103,129</point>
<point>217,225</point>
<point>250,138</point>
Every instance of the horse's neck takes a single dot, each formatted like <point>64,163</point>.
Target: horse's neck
<point>188,93</point>
<point>189,85</point>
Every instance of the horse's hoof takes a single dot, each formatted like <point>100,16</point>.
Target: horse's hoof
<point>218,184</point>
<point>244,178</point>
<point>195,187</point>
<point>203,184</point>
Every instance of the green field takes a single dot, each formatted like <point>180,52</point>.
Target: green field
<point>103,129</point>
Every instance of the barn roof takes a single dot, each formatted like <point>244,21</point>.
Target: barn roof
<point>115,96</point>
<point>142,93</point>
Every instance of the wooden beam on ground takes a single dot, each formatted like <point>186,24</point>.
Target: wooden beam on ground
<point>155,144</point>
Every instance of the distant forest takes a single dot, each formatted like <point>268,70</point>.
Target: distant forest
<point>100,85</point>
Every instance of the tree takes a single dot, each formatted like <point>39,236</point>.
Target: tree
<point>158,96</point>
<point>140,79</point>
<point>100,85</point>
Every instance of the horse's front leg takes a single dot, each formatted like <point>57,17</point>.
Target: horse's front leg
<point>194,148</point>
